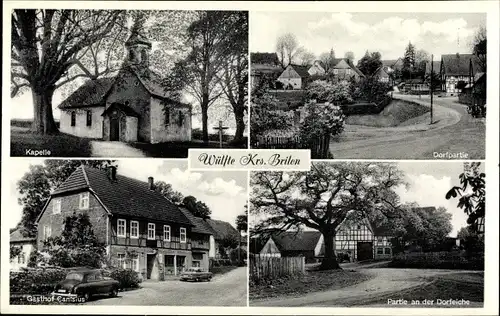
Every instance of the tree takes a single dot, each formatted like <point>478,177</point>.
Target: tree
<point>241,225</point>
<point>409,61</point>
<point>370,63</point>
<point>479,47</point>
<point>349,56</point>
<point>286,48</point>
<point>46,45</point>
<point>370,89</point>
<point>305,57</point>
<point>197,208</point>
<point>168,192</point>
<point>234,77</point>
<point>77,245</point>
<point>266,116</point>
<point>14,251</point>
<point>471,193</point>
<point>228,242</point>
<point>36,184</point>
<point>328,60</point>
<point>323,197</point>
<point>422,57</point>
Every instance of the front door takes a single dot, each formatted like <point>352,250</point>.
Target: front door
<point>365,251</point>
<point>114,129</point>
<point>150,265</point>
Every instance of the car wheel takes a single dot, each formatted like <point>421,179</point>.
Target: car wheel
<point>114,292</point>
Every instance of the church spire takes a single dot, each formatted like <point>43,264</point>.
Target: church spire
<point>138,45</point>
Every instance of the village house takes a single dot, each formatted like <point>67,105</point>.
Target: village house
<point>382,74</point>
<point>294,77</point>
<point>140,228</point>
<point>344,69</point>
<point>25,245</point>
<point>358,239</point>
<point>130,106</point>
<point>317,68</point>
<point>222,231</point>
<point>392,65</point>
<point>264,66</point>
<point>456,71</point>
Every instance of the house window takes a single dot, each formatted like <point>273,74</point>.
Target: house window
<point>151,231</point>
<point>166,233</point>
<point>73,118</point>
<point>335,71</point>
<point>84,201</point>
<point>89,118</point>
<point>380,239</point>
<point>56,207</point>
<point>348,71</point>
<point>387,251</point>
<point>183,234</point>
<point>121,260</point>
<point>47,232</point>
<point>167,116</point>
<point>134,229</point>
<point>181,118</point>
<point>122,230</point>
<point>380,251</point>
<point>134,264</point>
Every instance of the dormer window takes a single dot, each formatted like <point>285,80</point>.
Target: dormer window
<point>84,200</point>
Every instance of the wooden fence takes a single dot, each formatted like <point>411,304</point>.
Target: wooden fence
<point>263,267</point>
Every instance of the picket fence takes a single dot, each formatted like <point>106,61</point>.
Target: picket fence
<point>263,267</point>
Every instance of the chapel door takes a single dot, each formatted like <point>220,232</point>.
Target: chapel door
<point>114,129</point>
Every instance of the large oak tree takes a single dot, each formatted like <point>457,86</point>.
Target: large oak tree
<point>322,198</point>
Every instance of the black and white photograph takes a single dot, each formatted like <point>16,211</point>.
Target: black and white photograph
<point>369,85</point>
<point>103,232</point>
<point>368,234</point>
<point>116,83</point>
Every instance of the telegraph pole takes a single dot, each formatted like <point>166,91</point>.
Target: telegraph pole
<point>432,74</point>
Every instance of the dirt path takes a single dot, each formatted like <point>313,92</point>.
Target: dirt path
<point>384,282</point>
<point>454,131</point>
<point>114,149</point>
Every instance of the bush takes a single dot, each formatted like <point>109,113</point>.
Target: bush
<point>439,260</point>
<point>233,255</point>
<point>36,281</point>
<point>127,278</point>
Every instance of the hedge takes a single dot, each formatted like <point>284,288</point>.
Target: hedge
<point>439,260</point>
<point>36,281</point>
<point>127,278</point>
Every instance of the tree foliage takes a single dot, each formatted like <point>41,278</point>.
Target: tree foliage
<point>242,221</point>
<point>408,61</point>
<point>370,89</point>
<point>322,198</point>
<point>328,60</point>
<point>471,192</point>
<point>77,245</point>
<point>168,192</point>
<point>479,47</point>
<point>369,63</point>
<point>266,116</point>
<point>337,93</point>
<point>35,186</point>
<point>197,208</point>
<point>15,251</point>
<point>349,56</point>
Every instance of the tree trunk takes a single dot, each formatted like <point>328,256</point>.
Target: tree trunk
<point>204,119</point>
<point>43,118</point>
<point>330,260</point>
<point>240,126</point>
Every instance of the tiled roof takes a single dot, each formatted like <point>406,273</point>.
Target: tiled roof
<point>200,225</point>
<point>222,229</point>
<point>264,58</point>
<point>296,241</point>
<point>124,196</point>
<point>17,236</point>
<point>90,93</point>
<point>458,64</point>
<point>301,70</point>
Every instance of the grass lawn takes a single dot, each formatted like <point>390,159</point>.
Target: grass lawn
<point>311,281</point>
<point>61,145</point>
<point>397,112</point>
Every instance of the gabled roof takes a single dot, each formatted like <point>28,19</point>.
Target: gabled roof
<point>222,229</point>
<point>264,58</point>
<point>122,107</point>
<point>389,62</point>
<point>200,225</point>
<point>336,61</point>
<point>458,64</point>
<point>296,241</point>
<point>301,70</point>
<point>17,237</point>
<point>124,196</point>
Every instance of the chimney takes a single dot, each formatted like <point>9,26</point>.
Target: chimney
<point>151,183</point>
<point>111,171</point>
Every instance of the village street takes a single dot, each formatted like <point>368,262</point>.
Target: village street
<point>229,289</point>
<point>385,283</point>
<point>453,131</point>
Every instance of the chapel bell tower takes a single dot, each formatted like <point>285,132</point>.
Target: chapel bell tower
<point>138,46</point>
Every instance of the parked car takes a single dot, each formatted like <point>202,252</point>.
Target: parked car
<point>85,283</point>
<point>196,274</point>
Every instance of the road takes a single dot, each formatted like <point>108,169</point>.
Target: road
<point>384,282</point>
<point>229,289</point>
<point>454,131</point>
<point>100,148</point>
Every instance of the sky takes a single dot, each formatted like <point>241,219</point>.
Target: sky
<point>387,33</point>
<point>224,192</point>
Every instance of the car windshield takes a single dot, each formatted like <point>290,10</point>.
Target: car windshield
<point>74,276</point>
